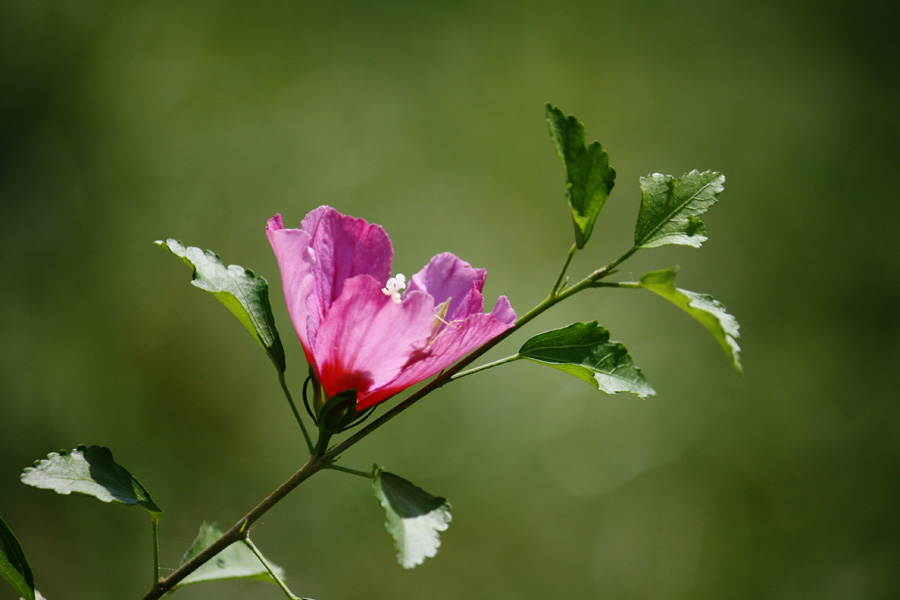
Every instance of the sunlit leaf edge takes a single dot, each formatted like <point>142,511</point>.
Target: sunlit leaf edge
<point>704,308</point>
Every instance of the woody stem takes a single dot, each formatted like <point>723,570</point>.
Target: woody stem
<point>322,457</point>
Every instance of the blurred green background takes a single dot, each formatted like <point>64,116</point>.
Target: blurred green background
<point>126,122</point>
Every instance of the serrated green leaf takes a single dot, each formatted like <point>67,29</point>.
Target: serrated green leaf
<point>236,561</point>
<point>414,517</point>
<point>703,307</point>
<point>13,566</point>
<point>670,208</point>
<point>589,178</point>
<point>88,470</point>
<point>585,351</point>
<point>242,292</point>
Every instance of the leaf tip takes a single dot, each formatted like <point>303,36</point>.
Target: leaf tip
<point>169,243</point>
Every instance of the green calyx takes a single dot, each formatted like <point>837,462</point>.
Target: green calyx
<point>338,413</point>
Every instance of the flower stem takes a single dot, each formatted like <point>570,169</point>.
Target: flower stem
<point>287,393</point>
<point>265,563</point>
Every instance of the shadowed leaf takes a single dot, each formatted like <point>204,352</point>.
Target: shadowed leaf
<point>242,292</point>
<point>236,561</point>
<point>88,470</point>
<point>13,565</point>
<point>414,517</point>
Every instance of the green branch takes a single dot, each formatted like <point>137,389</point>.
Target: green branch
<point>323,458</point>
<point>237,531</point>
<point>553,299</point>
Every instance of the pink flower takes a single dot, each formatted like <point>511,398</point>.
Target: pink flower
<point>359,330</point>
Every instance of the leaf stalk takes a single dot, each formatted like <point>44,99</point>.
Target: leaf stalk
<point>486,366</point>
<point>559,280</point>
<point>284,588</point>
<point>358,473</point>
<point>154,525</point>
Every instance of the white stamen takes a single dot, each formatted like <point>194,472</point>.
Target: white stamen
<point>394,286</point>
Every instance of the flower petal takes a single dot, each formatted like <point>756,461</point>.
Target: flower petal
<point>446,276</point>
<point>452,344</point>
<point>366,339</point>
<point>345,247</point>
<point>333,269</point>
<point>295,261</point>
<point>316,259</point>
<point>503,311</point>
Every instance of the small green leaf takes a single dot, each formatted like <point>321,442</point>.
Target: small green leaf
<point>585,351</point>
<point>88,470</point>
<point>414,517</point>
<point>13,565</point>
<point>242,292</point>
<point>236,561</point>
<point>670,208</point>
<point>589,178</point>
<point>706,309</point>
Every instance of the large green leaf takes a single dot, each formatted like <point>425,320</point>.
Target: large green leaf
<point>13,565</point>
<point>585,351</point>
<point>670,208</point>
<point>242,292</point>
<point>414,517</point>
<point>236,561</point>
<point>703,307</point>
<point>589,178</point>
<point>88,470</point>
